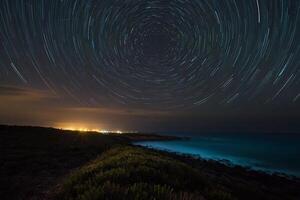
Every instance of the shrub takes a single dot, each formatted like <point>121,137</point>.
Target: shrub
<point>136,173</point>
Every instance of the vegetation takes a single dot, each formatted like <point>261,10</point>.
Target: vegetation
<point>46,163</point>
<point>32,159</point>
<point>135,173</point>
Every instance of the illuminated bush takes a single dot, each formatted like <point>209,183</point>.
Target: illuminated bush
<point>134,173</point>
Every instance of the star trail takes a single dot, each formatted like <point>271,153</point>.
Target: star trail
<point>159,55</point>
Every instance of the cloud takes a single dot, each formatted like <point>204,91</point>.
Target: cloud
<point>22,93</point>
<point>20,105</point>
<point>6,90</point>
<point>118,111</point>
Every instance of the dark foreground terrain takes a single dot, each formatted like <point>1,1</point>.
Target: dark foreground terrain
<point>46,163</point>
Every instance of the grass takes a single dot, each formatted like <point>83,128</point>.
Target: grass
<point>32,159</point>
<point>46,163</point>
<point>135,173</point>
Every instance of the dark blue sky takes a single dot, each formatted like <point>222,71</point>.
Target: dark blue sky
<point>155,64</point>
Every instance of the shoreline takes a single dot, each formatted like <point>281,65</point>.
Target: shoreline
<point>149,137</point>
<point>37,160</point>
<point>222,161</point>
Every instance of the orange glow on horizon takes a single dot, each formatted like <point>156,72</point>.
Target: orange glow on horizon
<point>80,129</point>
<point>85,128</point>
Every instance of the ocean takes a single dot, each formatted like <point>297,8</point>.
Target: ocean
<point>269,152</point>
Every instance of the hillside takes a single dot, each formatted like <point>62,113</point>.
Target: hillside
<point>47,163</point>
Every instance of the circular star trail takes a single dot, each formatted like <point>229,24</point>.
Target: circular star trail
<point>163,54</point>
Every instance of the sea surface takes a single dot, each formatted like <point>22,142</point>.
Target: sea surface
<point>269,152</point>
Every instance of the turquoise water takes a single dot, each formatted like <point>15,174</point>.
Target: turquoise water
<point>267,152</point>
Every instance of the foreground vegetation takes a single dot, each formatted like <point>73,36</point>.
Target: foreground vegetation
<point>135,173</point>
<point>46,163</point>
<point>32,159</point>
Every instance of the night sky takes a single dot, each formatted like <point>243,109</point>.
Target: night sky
<point>151,64</point>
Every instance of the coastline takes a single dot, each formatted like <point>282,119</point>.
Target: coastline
<point>227,161</point>
<point>144,137</point>
<point>37,160</point>
<point>221,162</point>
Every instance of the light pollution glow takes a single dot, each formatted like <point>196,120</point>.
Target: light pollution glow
<point>82,128</point>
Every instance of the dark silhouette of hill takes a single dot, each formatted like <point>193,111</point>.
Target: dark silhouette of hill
<point>47,163</point>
